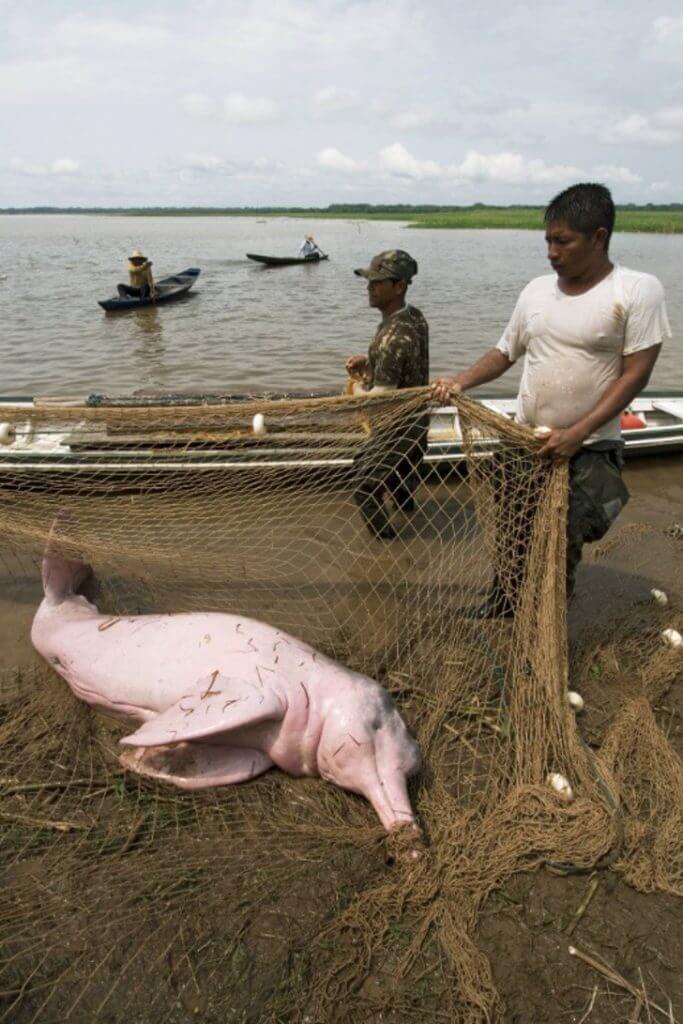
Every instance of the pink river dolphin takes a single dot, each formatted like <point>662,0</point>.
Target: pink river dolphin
<point>221,698</point>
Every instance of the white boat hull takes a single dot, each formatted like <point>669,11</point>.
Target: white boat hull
<point>26,449</point>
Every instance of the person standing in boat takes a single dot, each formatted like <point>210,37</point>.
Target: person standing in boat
<point>140,280</point>
<point>310,248</point>
<point>398,357</point>
<point>590,334</point>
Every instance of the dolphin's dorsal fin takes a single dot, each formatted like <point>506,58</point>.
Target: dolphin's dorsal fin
<point>214,704</point>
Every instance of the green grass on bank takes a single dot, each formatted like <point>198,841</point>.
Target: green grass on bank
<point>667,222</point>
<point>662,219</point>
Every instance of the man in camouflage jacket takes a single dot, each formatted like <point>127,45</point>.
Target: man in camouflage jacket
<point>398,357</point>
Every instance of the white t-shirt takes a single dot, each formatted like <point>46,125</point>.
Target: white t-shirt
<point>308,248</point>
<point>574,344</point>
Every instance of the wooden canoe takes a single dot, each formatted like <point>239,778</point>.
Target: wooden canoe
<point>284,261</point>
<point>167,289</point>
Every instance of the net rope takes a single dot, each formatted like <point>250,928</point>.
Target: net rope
<point>283,899</point>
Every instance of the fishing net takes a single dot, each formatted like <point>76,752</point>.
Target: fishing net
<point>282,900</point>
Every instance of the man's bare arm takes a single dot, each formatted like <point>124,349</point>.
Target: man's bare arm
<point>356,365</point>
<point>636,373</point>
<point>492,364</point>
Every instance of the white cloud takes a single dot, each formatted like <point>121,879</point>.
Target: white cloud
<point>503,168</point>
<point>242,109</point>
<point>84,32</point>
<point>670,116</point>
<point>209,164</point>
<point>664,42</point>
<point>511,169</point>
<point>331,101</point>
<point>292,69</point>
<point>265,165</point>
<point>378,105</point>
<point>61,166</point>
<point>473,99</point>
<point>27,167</point>
<point>643,131</point>
<point>333,160</point>
<point>660,186</point>
<point>396,160</point>
<point>196,104</point>
<point>416,117</point>
<point>38,81</point>
<point>64,165</point>
<point>615,175</point>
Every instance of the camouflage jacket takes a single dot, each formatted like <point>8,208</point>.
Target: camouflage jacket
<point>398,356</point>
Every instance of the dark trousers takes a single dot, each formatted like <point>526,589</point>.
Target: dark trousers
<point>597,495</point>
<point>129,291</point>
<point>389,468</point>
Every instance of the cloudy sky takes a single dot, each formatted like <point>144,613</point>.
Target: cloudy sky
<point>307,102</point>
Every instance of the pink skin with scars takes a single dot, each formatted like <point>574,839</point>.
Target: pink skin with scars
<point>222,698</point>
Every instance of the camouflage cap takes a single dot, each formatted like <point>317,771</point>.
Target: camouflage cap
<point>392,265</point>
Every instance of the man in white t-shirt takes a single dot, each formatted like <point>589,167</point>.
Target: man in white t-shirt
<point>590,334</point>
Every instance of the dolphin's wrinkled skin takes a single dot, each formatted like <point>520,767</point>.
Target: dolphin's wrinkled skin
<point>222,698</point>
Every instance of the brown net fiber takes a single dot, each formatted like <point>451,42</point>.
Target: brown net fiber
<point>282,899</point>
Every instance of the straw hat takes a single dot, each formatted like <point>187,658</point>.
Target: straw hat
<point>137,255</point>
<point>309,238</point>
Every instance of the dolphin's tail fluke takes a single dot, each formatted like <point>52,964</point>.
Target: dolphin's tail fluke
<point>63,569</point>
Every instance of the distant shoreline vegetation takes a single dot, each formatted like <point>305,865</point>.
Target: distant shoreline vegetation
<point>666,219</point>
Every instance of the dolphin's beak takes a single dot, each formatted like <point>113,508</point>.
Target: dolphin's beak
<point>388,794</point>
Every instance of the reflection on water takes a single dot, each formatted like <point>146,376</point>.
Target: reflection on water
<point>148,329</point>
<point>242,328</point>
<point>148,322</point>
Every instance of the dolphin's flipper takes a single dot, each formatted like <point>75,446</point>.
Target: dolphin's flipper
<point>196,765</point>
<point>216,704</point>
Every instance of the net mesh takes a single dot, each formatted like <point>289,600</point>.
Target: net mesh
<point>283,899</point>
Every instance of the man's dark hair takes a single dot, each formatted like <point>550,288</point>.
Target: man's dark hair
<point>585,207</point>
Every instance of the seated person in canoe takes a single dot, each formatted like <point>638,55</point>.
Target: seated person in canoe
<point>140,280</point>
<point>309,248</point>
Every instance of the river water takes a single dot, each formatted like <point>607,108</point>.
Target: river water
<point>249,328</point>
